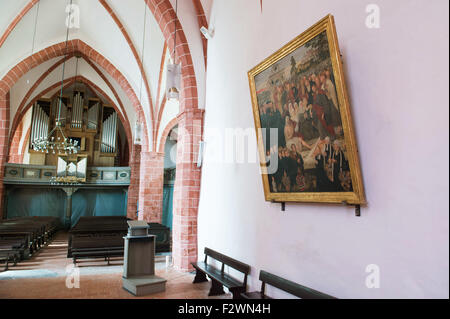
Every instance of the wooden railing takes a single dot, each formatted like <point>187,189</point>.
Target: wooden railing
<point>42,175</point>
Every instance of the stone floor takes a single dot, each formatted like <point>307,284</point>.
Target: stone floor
<point>49,272</point>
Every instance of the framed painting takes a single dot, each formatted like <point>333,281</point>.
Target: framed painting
<point>304,127</point>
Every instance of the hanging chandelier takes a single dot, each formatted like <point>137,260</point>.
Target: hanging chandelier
<point>173,69</point>
<point>59,145</point>
<point>56,141</point>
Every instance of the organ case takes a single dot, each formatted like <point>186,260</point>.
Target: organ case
<point>85,119</point>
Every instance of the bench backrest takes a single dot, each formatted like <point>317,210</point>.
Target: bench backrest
<point>233,263</point>
<point>290,287</point>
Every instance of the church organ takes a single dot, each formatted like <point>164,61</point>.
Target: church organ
<point>84,119</point>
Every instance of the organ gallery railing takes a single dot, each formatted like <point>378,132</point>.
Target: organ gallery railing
<point>43,175</point>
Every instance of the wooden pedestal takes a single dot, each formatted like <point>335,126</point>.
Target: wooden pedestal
<point>139,266</point>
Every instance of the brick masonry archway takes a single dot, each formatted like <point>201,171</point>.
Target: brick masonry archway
<point>152,181</point>
<point>190,128</point>
<point>165,133</point>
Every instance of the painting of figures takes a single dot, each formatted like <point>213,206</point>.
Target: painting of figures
<point>306,138</point>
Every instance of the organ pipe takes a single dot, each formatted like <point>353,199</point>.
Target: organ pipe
<point>40,123</point>
<point>61,114</point>
<point>93,117</point>
<point>77,111</point>
<point>109,134</point>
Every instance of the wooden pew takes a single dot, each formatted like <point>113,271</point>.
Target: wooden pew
<point>285,285</point>
<point>163,239</point>
<point>24,237</point>
<point>20,237</point>
<point>7,254</point>
<point>218,276</point>
<point>97,237</point>
<point>14,228</point>
<point>39,230</point>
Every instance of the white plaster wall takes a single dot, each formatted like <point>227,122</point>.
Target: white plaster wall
<point>9,10</point>
<point>131,14</point>
<point>50,29</point>
<point>398,85</point>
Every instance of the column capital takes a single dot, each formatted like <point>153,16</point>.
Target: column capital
<point>152,154</point>
<point>191,114</point>
<point>69,190</point>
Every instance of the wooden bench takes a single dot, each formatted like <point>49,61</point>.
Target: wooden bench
<point>218,276</point>
<point>106,253</point>
<point>97,246</point>
<point>285,285</point>
<point>27,234</point>
<point>22,241</point>
<point>7,254</point>
<point>163,239</point>
<point>97,237</point>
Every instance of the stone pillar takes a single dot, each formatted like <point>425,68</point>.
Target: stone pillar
<point>68,217</point>
<point>187,190</point>
<point>151,185</point>
<point>14,156</point>
<point>133,189</point>
<point>4,134</point>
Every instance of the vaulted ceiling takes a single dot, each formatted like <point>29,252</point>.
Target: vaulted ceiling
<point>114,29</point>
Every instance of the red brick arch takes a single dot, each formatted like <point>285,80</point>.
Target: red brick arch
<point>24,145</point>
<point>14,146</point>
<point>190,119</point>
<point>165,16</point>
<point>202,22</point>
<point>166,132</point>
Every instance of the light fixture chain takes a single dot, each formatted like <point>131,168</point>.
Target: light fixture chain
<point>64,64</point>
<point>175,37</point>
<point>143,51</point>
<point>48,143</point>
<point>35,27</point>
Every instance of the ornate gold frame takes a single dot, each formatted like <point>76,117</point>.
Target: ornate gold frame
<point>357,197</point>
